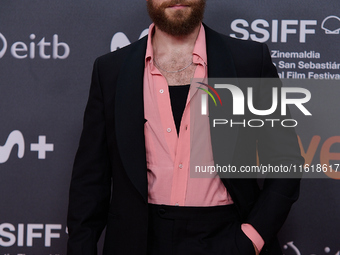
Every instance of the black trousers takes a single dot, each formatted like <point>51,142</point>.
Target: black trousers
<point>181,230</point>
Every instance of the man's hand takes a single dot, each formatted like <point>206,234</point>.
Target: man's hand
<point>256,250</point>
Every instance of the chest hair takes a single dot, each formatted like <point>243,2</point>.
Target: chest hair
<point>175,64</point>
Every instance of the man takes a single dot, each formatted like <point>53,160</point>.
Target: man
<point>131,172</point>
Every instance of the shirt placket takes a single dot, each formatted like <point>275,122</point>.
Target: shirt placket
<point>181,168</point>
<point>163,99</point>
<point>181,162</point>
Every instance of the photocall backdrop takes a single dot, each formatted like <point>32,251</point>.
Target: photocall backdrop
<point>47,49</point>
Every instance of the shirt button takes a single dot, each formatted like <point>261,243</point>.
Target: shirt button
<point>168,130</point>
<point>180,166</point>
<point>176,204</point>
<point>161,91</point>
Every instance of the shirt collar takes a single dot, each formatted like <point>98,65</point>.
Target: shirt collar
<point>199,53</point>
<point>149,49</point>
<point>200,49</point>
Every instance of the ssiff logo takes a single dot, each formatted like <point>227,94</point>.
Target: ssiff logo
<point>331,25</point>
<point>291,246</point>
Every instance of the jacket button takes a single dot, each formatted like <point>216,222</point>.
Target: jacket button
<point>161,211</point>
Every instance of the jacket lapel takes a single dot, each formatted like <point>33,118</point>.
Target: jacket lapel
<point>129,117</point>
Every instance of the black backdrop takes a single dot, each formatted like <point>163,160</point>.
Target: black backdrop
<point>47,49</point>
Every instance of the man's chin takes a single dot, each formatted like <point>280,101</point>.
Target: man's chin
<point>178,18</point>
<point>173,14</point>
<point>176,21</point>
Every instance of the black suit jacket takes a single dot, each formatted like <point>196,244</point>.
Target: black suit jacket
<point>109,180</point>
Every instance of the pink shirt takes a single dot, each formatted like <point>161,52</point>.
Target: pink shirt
<point>168,155</point>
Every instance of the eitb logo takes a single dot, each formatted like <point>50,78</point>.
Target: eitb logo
<point>35,48</point>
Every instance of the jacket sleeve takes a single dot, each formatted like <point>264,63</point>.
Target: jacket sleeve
<point>90,188</point>
<point>276,146</point>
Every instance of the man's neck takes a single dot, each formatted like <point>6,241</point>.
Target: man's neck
<point>164,44</point>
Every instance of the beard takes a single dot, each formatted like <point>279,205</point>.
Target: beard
<point>182,21</point>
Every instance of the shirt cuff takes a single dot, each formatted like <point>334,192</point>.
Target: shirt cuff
<point>253,235</point>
